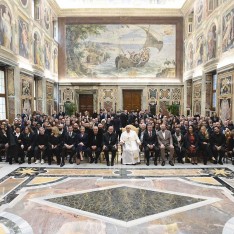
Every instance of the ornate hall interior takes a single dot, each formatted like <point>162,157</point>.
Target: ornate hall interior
<point>80,60</point>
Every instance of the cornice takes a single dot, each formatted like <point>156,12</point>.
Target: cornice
<point>54,5</point>
<point>119,12</point>
<point>187,7</point>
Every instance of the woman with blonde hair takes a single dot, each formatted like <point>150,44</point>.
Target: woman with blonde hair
<point>204,140</point>
<point>55,141</point>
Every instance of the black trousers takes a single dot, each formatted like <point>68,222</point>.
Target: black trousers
<point>66,151</point>
<point>55,151</point>
<point>156,151</point>
<point>97,152</point>
<point>206,152</point>
<point>180,152</point>
<point>41,153</point>
<point>113,151</point>
<point>218,154</point>
<point>12,153</point>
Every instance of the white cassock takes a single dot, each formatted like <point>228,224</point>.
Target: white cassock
<point>130,147</point>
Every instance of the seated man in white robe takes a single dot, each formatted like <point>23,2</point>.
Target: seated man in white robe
<point>130,143</point>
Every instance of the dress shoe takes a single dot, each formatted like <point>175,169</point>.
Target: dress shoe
<point>112,164</point>
<point>147,164</point>
<point>171,163</point>
<point>155,163</point>
<point>205,163</point>
<point>182,161</point>
<point>62,164</point>
<point>215,162</point>
<point>96,161</point>
<point>78,161</point>
<point>108,164</point>
<point>220,162</point>
<point>91,160</point>
<point>163,163</point>
<point>70,161</point>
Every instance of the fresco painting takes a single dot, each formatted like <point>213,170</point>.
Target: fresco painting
<point>121,51</point>
<point>23,38</point>
<point>5,27</point>
<point>228,31</point>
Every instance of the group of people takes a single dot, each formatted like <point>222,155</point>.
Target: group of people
<point>41,137</point>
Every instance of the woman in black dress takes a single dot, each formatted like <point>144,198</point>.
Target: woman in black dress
<point>55,141</point>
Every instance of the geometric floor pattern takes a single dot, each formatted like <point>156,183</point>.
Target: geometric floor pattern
<point>120,199</point>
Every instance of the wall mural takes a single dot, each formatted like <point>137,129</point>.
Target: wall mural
<point>121,50</point>
<point>226,86</point>
<point>200,50</point>
<point>47,16</point>
<point>47,55</point>
<point>225,108</point>
<point>24,2</point>
<point>38,52</point>
<point>190,57</point>
<point>55,60</point>
<point>212,42</point>
<point>228,31</point>
<point>199,11</point>
<point>23,38</point>
<point>5,27</point>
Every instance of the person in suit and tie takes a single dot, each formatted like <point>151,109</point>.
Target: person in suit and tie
<point>150,143</point>
<point>110,141</point>
<point>82,142</point>
<point>94,145</point>
<point>27,143</point>
<point>69,142</point>
<point>179,145</point>
<point>165,143</point>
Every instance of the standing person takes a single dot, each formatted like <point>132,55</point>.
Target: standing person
<point>192,142</point>
<point>41,146</point>
<point>230,146</point>
<point>69,142</point>
<point>94,145</point>
<point>218,142</point>
<point>3,140</point>
<point>166,143</point>
<point>82,142</point>
<point>130,142</point>
<point>55,141</point>
<point>204,140</point>
<point>179,145</point>
<point>12,145</point>
<point>27,145</point>
<point>150,143</point>
<point>110,141</point>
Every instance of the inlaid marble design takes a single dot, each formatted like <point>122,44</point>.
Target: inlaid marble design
<point>204,180</point>
<point>43,180</point>
<point>125,203</point>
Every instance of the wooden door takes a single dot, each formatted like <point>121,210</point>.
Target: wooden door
<point>86,103</point>
<point>132,100</point>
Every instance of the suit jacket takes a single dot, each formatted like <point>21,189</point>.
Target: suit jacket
<point>167,140</point>
<point>150,140</point>
<point>109,140</point>
<point>97,142</point>
<point>28,140</point>
<point>69,140</point>
<point>83,139</point>
<point>176,143</point>
<point>141,132</point>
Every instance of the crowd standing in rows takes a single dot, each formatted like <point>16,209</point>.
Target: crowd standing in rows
<point>38,138</point>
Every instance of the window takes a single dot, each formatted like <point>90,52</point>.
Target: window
<point>2,96</point>
<point>36,9</point>
<point>212,5</point>
<point>214,87</point>
<point>55,29</point>
<point>190,22</point>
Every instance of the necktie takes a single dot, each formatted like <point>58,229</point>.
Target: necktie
<point>150,134</point>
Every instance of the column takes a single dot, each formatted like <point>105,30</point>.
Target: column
<point>185,98</point>
<point>203,95</point>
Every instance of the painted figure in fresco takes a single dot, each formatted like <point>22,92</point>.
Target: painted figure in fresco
<point>24,2</point>
<point>55,61</point>
<point>200,51</point>
<point>225,87</point>
<point>211,40</point>
<point>190,57</point>
<point>47,18</point>
<point>37,51</point>
<point>25,88</point>
<point>47,55</point>
<point>228,31</point>
<point>199,11</point>
<point>24,47</point>
<point>5,27</point>
<point>225,110</point>
<point>27,106</point>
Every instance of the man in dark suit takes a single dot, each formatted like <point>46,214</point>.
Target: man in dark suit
<point>69,145</point>
<point>82,142</point>
<point>178,142</point>
<point>110,141</point>
<point>166,143</point>
<point>150,143</point>
<point>94,145</point>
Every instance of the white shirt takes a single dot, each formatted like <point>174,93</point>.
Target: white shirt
<point>164,134</point>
